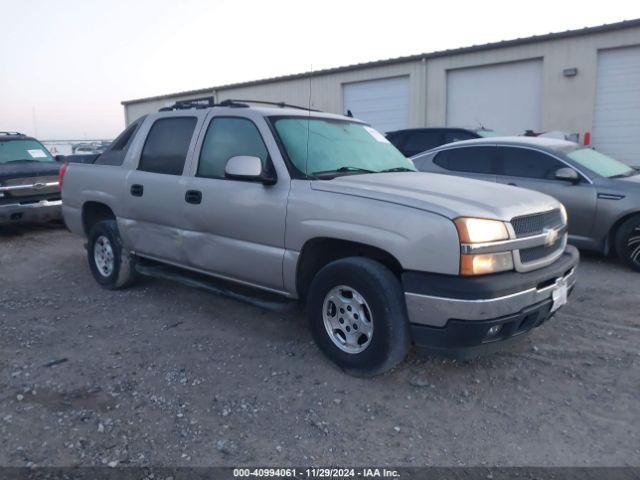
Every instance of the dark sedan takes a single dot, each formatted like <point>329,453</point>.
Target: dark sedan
<point>601,194</point>
<point>412,141</point>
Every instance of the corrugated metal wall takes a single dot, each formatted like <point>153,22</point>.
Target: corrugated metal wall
<point>567,102</point>
<point>326,91</point>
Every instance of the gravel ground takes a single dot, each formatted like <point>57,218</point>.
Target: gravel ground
<point>162,374</point>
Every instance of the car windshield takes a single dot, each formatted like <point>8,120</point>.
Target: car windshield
<point>600,163</point>
<point>321,147</point>
<point>23,150</point>
<point>487,133</point>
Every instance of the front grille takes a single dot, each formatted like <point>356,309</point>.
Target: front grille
<point>530,225</point>
<point>538,253</point>
<point>535,224</point>
<point>27,192</point>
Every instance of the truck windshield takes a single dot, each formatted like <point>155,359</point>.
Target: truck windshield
<point>320,147</point>
<point>600,163</point>
<point>23,151</point>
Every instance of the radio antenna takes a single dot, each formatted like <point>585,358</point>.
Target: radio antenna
<point>306,162</point>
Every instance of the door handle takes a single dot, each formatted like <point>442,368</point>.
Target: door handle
<point>137,190</point>
<point>193,196</point>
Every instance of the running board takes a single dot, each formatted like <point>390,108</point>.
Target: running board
<point>201,281</point>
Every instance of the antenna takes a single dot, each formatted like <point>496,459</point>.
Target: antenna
<point>35,121</point>
<point>306,161</point>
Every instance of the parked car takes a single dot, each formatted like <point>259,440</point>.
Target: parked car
<point>416,140</point>
<point>323,209</point>
<point>601,194</point>
<point>29,188</point>
<point>92,148</point>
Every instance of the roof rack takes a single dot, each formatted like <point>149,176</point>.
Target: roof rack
<point>208,102</point>
<point>13,133</point>
<point>197,103</point>
<point>276,104</point>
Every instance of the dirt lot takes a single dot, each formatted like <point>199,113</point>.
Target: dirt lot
<point>162,374</point>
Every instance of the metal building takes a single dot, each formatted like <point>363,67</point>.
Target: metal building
<point>578,81</point>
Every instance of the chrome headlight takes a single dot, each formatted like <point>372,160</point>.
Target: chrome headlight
<point>563,213</point>
<point>479,230</point>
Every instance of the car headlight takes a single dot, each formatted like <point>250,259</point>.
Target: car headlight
<point>563,213</point>
<point>484,263</point>
<point>479,230</point>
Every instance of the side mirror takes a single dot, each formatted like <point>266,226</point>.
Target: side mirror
<point>59,158</point>
<point>567,174</point>
<point>248,168</point>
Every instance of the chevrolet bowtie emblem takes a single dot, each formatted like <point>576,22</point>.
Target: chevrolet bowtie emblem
<point>38,186</point>
<point>551,236</point>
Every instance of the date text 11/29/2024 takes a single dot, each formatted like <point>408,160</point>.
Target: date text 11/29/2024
<point>315,473</point>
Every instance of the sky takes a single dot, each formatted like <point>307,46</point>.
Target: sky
<point>66,65</point>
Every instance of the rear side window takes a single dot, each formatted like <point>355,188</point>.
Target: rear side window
<point>117,150</point>
<point>167,144</point>
<point>228,137</point>
<point>522,162</point>
<point>468,159</point>
<point>419,142</point>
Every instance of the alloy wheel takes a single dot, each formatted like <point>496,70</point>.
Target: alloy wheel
<point>347,319</point>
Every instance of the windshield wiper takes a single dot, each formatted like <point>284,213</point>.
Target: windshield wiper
<point>21,160</point>
<point>397,169</point>
<point>345,169</point>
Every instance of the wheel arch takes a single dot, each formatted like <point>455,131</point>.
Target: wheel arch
<point>610,238</point>
<point>94,212</point>
<point>320,251</point>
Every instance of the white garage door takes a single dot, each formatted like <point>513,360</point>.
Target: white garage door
<point>616,129</point>
<point>382,103</point>
<point>504,97</point>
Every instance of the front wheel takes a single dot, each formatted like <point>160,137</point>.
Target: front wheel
<point>628,242</point>
<point>111,267</point>
<point>358,316</point>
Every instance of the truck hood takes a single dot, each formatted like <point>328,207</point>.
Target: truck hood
<point>28,170</point>
<point>445,195</point>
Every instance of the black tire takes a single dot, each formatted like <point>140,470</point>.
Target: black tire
<point>383,294</point>
<point>627,242</point>
<point>123,273</point>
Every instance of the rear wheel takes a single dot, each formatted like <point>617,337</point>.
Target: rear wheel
<point>111,267</point>
<point>628,242</point>
<point>358,316</point>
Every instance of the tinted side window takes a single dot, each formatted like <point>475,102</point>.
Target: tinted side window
<point>228,137</point>
<point>521,162</point>
<point>468,159</point>
<point>117,150</point>
<point>421,141</point>
<point>165,149</point>
<point>396,139</point>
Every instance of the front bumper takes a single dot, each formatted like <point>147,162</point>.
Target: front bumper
<point>453,314</point>
<point>42,211</point>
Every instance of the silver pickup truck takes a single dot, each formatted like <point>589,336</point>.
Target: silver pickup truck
<point>323,209</point>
